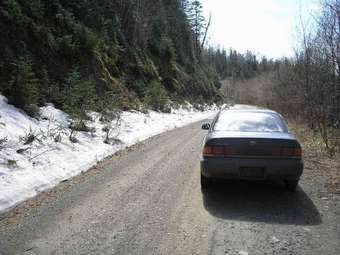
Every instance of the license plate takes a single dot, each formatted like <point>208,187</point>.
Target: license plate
<point>252,172</point>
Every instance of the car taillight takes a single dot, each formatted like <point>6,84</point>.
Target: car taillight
<point>291,152</point>
<point>209,150</point>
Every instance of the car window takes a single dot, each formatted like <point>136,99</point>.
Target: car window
<point>249,122</point>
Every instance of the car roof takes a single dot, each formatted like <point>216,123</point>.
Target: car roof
<point>249,110</point>
<point>252,110</point>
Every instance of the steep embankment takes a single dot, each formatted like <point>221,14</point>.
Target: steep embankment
<point>99,51</point>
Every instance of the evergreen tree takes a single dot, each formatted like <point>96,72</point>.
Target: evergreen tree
<point>194,10</point>
<point>23,86</point>
<point>79,96</point>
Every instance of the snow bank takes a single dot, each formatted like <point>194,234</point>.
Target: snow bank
<point>26,170</point>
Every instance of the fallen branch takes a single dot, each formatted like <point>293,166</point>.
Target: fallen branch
<point>36,156</point>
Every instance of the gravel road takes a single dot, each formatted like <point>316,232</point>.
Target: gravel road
<point>147,200</point>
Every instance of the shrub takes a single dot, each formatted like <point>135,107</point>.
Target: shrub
<point>156,97</point>
<point>57,138</point>
<point>23,84</point>
<point>79,98</point>
<point>112,121</point>
<point>79,126</point>
<point>79,95</point>
<point>32,110</point>
<point>29,137</point>
<point>11,163</point>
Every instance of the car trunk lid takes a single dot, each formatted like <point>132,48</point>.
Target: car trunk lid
<point>249,144</point>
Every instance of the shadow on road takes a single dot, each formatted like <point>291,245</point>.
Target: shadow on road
<point>260,202</point>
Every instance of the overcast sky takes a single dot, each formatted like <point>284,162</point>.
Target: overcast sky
<point>266,27</point>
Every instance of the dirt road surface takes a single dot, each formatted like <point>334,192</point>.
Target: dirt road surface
<point>147,200</point>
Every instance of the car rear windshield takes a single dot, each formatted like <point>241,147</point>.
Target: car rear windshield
<point>238,121</point>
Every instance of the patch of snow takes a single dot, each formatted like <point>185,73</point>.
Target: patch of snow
<point>243,253</point>
<point>26,170</point>
<point>274,239</point>
<point>53,114</point>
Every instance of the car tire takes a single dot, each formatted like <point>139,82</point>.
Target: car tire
<point>291,185</point>
<point>205,182</point>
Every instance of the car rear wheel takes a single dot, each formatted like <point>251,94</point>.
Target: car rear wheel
<point>205,182</point>
<point>291,185</point>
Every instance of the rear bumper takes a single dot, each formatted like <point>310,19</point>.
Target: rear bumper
<point>231,168</point>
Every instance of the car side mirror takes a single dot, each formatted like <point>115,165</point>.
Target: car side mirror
<point>206,126</point>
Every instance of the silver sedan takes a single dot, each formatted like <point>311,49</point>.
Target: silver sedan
<point>250,144</point>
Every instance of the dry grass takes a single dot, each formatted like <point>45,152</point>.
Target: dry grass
<point>318,161</point>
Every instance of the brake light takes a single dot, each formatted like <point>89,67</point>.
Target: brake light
<point>213,151</point>
<point>217,151</point>
<point>207,151</point>
<point>291,152</point>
